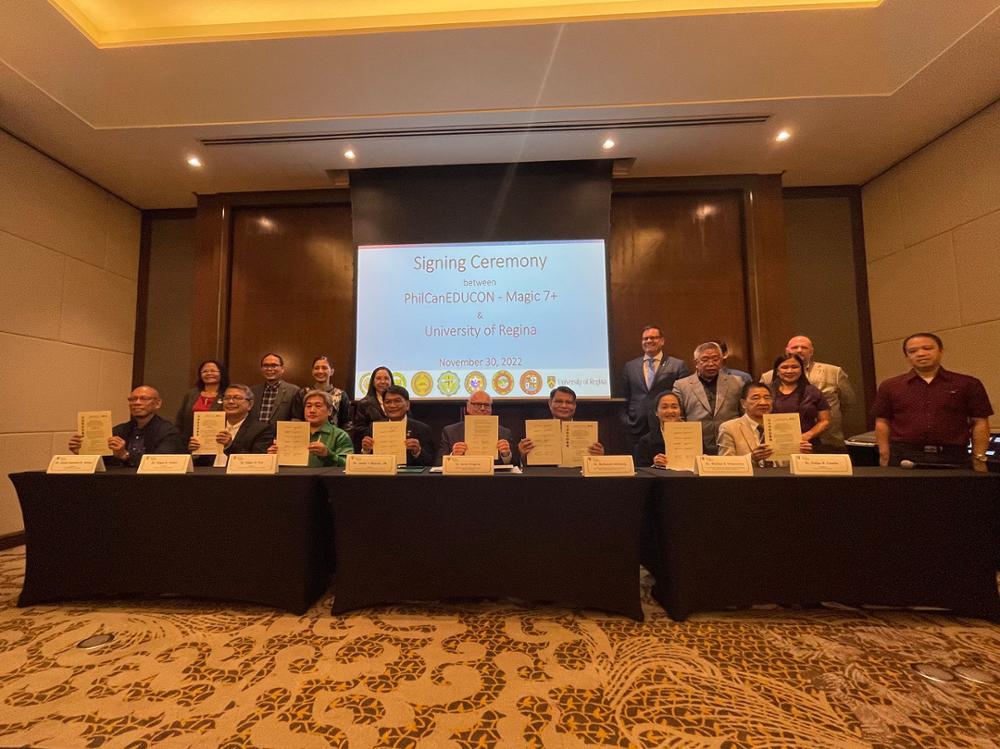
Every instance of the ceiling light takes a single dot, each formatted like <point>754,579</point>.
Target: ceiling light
<point>194,161</point>
<point>782,136</point>
<point>349,154</point>
<point>608,144</point>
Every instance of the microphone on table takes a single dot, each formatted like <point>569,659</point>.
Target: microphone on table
<point>911,464</point>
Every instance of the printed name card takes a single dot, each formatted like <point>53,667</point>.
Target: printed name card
<point>266,465</point>
<point>608,465</point>
<point>468,465</point>
<point>723,465</point>
<point>821,465</point>
<point>359,464</point>
<point>75,464</point>
<point>165,464</point>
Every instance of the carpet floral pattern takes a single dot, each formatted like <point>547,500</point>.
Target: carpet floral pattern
<point>478,675</point>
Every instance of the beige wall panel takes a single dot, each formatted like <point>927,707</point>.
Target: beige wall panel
<point>19,452</point>
<point>977,264</point>
<point>60,442</point>
<point>953,180</point>
<point>915,289</point>
<point>114,384</point>
<point>30,287</point>
<point>45,203</point>
<point>124,228</point>
<point>98,308</point>
<point>975,350</point>
<point>28,362</point>
<point>889,359</point>
<point>882,217</point>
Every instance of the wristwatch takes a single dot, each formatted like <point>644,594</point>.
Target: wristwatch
<point>980,457</point>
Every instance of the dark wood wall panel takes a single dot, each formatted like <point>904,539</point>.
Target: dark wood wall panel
<point>291,290</point>
<point>676,260</point>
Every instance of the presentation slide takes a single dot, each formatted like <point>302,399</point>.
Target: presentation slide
<point>512,318</point>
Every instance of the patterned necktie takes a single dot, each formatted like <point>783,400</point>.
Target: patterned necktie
<point>650,373</point>
<point>760,433</point>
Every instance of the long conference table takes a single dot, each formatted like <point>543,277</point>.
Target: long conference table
<point>882,537</point>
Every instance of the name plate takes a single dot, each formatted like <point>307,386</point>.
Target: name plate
<point>359,464</point>
<point>723,465</point>
<point>75,464</point>
<point>266,465</point>
<point>468,465</point>
<point>166,464</point>
<point>821,465</point>
<point>608,465</point>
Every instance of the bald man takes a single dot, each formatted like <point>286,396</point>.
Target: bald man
<point>144,433</point>
<point>832,381</point>
<point>453,436</point>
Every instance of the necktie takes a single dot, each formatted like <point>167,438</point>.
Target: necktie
<point>760,433</point>
<point>650,372</point>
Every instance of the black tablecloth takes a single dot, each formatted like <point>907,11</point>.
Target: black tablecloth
<point>260,539</point>
<point>884,536</point>
<point>547,535</point>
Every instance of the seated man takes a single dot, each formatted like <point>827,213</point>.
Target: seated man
<point>144,433</point>
<point>745,435</point>
<point>453,436</point>
<point>243,433</point>
<point>330,445</point>
<point>419,449</point>
<point>562,406</point>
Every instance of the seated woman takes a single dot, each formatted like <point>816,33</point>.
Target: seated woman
<point>793,393</point>
<point>650,450</point>
<point>330,445</point>
<point>744,435</point>
<point>206,395</point>
<point>322,371</point>
<point>370,408</point>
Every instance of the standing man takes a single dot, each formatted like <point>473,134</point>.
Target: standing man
<point>419,449</point>
<point>453,436</point>
<point>644,378</point>
<point>929,414</point>
<point>273,400</point>
<point>709,396</point>
<point>145,432</point>
<point>830,380</point>
<point>562,406</point>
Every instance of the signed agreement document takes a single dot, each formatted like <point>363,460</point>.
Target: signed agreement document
<point>482,434</point>
<point>577,436</point>
<point>293,443</point>
<point>95,426</point>
<point>783,433</point>
<point>390,439</point>
<point>207,424</point>
<point>546,434</point>
<point>683,444</point>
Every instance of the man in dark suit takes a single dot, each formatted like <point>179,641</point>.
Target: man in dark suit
<point>243,433</point>
<point>273,399</point>
<point>419,448</point>
<point>644,378</point>
<point>144,432</point>
<point>453,436</point>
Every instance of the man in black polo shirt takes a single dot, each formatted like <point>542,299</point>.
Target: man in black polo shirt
<point>928,414</point>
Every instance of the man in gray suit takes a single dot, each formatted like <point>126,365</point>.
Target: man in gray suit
<point>272,401</point>
<point>644,378</point>
<point>832,381</point>
<point>709,395</point>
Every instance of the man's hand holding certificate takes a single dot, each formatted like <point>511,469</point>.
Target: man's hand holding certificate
<point>783,434</point>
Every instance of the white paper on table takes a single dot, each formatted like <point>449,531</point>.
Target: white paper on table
<point>783,434</point>
<point>293,443</point>
<point>481,435</point>
<point>546,434</point>
<point>577,436</point>
<point>390,439</point>
<point>207,424</point>
<point>95,426</point>
<point>682,443</point>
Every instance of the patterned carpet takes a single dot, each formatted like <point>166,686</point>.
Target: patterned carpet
<point>482,675</point>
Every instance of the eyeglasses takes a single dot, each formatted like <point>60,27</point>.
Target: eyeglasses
<point>481,406</point>
<point>140,398</point>
<point>233,398</point>
<point>269,366</point>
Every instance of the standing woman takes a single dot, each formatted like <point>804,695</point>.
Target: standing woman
<point>206,395</point>
<point>369,409</point>
<point>650,450</point>
<point>322,371</point>
<point>793,393</point>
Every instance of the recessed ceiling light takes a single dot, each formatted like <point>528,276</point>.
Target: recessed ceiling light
<point>194,161</point>
<point>782,136</point>
<point>349,154</point>
<point>608,144</point>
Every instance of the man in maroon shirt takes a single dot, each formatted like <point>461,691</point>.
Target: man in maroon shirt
<point>927,414</point>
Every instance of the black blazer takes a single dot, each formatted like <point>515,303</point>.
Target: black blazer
<point>420,432</point>
<point>648,447</point>
<point>253,437</point>
<point>161,438</point>
<point>185,414</point>
<point>640,400</point>
<point>366,411</point>
<point>282,401</point>
<point>456,433</point>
